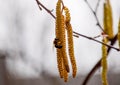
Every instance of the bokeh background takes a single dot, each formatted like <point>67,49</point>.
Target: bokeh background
<point>27,53</point>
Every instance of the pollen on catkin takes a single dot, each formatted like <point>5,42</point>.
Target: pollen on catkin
<point>65,74</point>
<point>60,33</point>
<point>104,63</point>
<point>58,19</point>
<point>70,42</point>
<point>63,39</point>
<point>71,49</point>
<point>108,21</point>
<point>63,24</point>
<point>60,63</point>
<point>67,14</point>
<point>119,33</point>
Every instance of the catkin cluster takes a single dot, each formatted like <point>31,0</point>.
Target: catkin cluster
<point>108,22</point>
<point>104,63</point>
<point>63,24</point>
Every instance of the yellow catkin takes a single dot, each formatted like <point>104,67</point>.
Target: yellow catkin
<point>58,27</point>
<point>70,42</point>
<point>60,33</point>
<point>67,14</point>
<point>60,63</point>
<point>65,76</point>
<point>104,63</point>
<point>71,49</point>
<point>108,22</point>
<point>58,19</point>
<point>119,32</point>
<point>63,39</point>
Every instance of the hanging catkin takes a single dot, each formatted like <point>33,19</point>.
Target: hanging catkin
<point>65,74</point>
<point>67,14</point>
<point>60,63</point>
<point>65,59</point>
<point>119,32</point>
<point>58,19</point>
<point>58,27</point>
<point>104,63</point>
<point>60,35</point>
<point>70,42</point>
<point>108,22</point>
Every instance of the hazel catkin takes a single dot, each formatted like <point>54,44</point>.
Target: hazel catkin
<point>63,39</point>
<point>70,42</point>
<point>60,34</point>
<point>119,33</point>
<point>65,74</point>
<point>62,24</point>
<point>108,21</point>
<point>71,49</point>
<point>60,63</point>
<point>67,14</point>
<point>58,19</point>
<point>104,63</point>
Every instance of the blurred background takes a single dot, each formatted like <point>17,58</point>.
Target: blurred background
<point>27,53</point>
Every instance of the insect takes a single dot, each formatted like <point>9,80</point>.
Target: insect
<point>57,43</point>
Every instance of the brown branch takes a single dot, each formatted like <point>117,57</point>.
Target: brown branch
<point>97,5</point>
<point>40,4</point>
<point>95,15</point>
<point>98,65</point>
<point>90,38</point>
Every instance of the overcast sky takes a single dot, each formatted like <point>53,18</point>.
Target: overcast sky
<point>27,35</point>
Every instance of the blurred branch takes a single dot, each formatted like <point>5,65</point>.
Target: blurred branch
<point>95,13</point>
<point>3,54</point>
<point>98,65</point>
<point>97,5</point>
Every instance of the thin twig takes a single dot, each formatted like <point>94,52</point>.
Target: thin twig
<point>98,65</point>
<point>97,5</point>
<point>98,23</point>
<point>40,4</point>
<point>90,38</point>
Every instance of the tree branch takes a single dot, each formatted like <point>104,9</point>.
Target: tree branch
<point>94,13</point>
<point>98,65</point>
<point>40,4</point>
<point>90,38</point>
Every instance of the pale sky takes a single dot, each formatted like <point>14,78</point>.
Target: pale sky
<point>27,34</point>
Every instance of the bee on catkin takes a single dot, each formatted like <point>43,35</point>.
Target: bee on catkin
<point>57,43</point>
<point>108,21</point>
<point>119,32</point>
<point>104,63</point>
<point>70,42</point>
